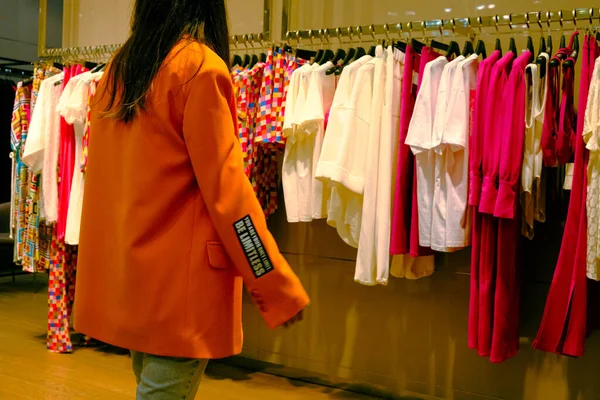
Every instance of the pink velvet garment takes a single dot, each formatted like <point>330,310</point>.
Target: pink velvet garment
<point>492,143</point>
<point>475,157</point>
<point>563,326</point>
<point>505,338</point>
<point>66,161</point>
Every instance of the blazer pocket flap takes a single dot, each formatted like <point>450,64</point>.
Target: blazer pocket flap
<point>217,256</point>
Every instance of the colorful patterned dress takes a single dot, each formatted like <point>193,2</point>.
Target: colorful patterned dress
<point>19,129</point>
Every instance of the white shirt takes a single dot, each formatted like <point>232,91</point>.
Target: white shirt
<point>440,197</point>
<point>455,153</point>
<point>591,135</point>
<point>367,270</point>
<point>334,161</point>
<point>74,110</point>
<point>420,140</point>
<point>41,146</point>
<point>305,199</point>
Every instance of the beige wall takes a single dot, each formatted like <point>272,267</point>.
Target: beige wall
<point>411,336</point>
<point>100,22</point>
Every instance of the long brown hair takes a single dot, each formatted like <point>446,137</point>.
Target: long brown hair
<point>157,26</point>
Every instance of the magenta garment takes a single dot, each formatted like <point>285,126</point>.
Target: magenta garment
<point>475,157</point>
<point>563,326</point>
<point>66,161</point>
<point>550,131</point>
<point>505,337</point>
<point>479,116</point>
<point>565,138</point>
<point>492,142</point>
<point>405,223</point>
<point>402,210</point>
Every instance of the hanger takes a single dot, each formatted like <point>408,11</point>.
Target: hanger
<point>254,57</point>
<point>540,60</point>
<point>530,46</point>
<point>339,57</point>
<point>372,49</point>
<point>438,45</point>
<point>480,47</point>
<point>329,54</point>
<point>574,47</point>
<point>468,49</point>
<point>498,46</point>
<point>340,53</point>
<point>317,58</point>
<point>453,47</point>
<point>237,60</point>
<point>302,53</point>
<point>512,44</point>
<point>360,51</point>
<point>263,55</point>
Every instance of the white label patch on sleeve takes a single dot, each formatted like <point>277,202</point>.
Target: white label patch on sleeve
<point>253,248</point>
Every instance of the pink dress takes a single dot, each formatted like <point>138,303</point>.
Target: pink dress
<point>476,155</point>
<point>489,225</point>
<point>405,222</point>
<point>505,338</point>
<point>402,212</point>
<point>66,161</point>
<point>563,326</point>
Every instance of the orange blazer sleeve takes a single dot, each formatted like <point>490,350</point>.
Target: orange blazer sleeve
<point>209,128</point>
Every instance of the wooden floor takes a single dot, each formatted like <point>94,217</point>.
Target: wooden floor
<point>28,371</point>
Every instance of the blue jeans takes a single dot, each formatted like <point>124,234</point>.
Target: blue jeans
<point>166,378</point>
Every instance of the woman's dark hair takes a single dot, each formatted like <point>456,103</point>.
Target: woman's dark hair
<point>157,26</point>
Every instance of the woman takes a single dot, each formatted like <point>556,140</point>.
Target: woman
<point>170,223</point>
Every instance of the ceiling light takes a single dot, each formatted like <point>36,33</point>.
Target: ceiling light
<point>410,13</point>
<point>480,7</point>
<point>491,6</point>
<point>447,10</point>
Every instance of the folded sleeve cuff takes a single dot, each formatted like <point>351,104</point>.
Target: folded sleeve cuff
<point>489,194</point>
<point>506,203</point>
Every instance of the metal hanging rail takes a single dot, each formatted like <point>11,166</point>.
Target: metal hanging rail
<point>464,26</point>
<point>104,51</point>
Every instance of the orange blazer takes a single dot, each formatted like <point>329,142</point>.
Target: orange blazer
<point>171,227</point>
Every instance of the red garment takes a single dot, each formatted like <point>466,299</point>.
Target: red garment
<point>402,213</point>
<point>66,161</point>
<point>476,155</point>
<point>564,323</point>
<point>565,138</point>
<point>505,339</point>
<point>550,132</point>
<point>492,143</point>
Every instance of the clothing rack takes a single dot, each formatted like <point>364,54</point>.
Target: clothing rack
<point>469,26</point>
<point>105,51</point>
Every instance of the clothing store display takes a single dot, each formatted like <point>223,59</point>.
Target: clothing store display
<point>415,153</point>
